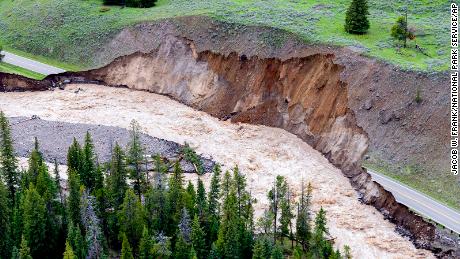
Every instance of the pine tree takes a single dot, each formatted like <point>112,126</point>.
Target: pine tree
<point>126,250</point>
<point>15,253</point>
<point>88,172</point>
<point>35,162</point>
<point>320,248</point>
<point>76,240</point>
<point>175,198</point>
<point>92,225</point>
<point>277,196</point>
<point>201,202</point>
<point>190,198</point>
<point>131,218</point>
<point>157,207</point>
<point>356,21</point>
<point>228,242</point>
<point>135,159</point>
<point>73,200</point>
<point>162,247</point>
<point>213,206</point>
<point>45,185</point>
<point>198,238</point>
<point>68,254</point>
<point>75,157</point>
<point>260,249</point>
<point>8,161</point>
<point>277,252</point>
<point>34,221</point>
<point>145,245</point>
<point>5,241</point>
<point>303,218</point>
<point>182,248</point>
<point>24,252</point>
<point>117,185</point>
<point>184,237</point>
<point>57,180</point>
<point>400,30</point>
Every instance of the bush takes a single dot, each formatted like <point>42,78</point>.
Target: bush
<point>132,3</point>
<point>104,9</point>
<point>356,21</point>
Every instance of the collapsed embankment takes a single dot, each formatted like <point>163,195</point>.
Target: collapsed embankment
<point>317,93</point>
<point>305,96</point>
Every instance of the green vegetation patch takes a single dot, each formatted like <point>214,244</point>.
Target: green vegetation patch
<point>12,69</point>
<point>73,31</point>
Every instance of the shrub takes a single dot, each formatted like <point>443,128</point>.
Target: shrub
<point>356,21</point>
<point>104,9</point>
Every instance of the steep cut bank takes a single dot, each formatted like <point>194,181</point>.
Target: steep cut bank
<point>305,96</point>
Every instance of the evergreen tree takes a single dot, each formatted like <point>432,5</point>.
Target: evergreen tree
<point>277,196</point>
<point>201,202</point>
<point>24,252</point>
<point>145,245</point>
<point>228,242</point>
<point>131,218</point>
<point>68,254</point>
<point>15,253</point>
<point>91,223</point>
<point>157,207</point>
<point>8,161</point>
<point>116,180</point>
<point>175,198</point>
<point>126,251</point>
<point>88,172</point>
<point>34,222</point>
<point>356,21</point>
<point>182,248</point>
<point>135,158</point>
<point>320,248</point>
<point>35,162</point>
<point>213,206</point>
<point>400,30</point>
<point>162,247</point>
<point>5,241</point>
<point>198,238</point>
<point>303,218</point>
<point>73,200</point>
<point>57,180</point>
<point>76,240</point>
<point>75,157</point>
<point>262,249</point>
<point>277,252</point>
<point>190,198</point>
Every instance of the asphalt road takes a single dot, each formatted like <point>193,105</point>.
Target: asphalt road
<point>30,64</point>
<point>419,202</point>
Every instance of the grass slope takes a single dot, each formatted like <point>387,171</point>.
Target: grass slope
<point>12,69</point>
<point>72,30</point>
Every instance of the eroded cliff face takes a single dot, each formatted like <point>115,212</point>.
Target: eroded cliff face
<point>304,95</point>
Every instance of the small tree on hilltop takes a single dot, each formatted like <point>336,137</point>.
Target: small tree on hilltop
<point>356,21</point>
<point>400,30</point>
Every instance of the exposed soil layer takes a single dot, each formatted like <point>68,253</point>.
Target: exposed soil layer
<point>55,137</point>
<point>9,82</point>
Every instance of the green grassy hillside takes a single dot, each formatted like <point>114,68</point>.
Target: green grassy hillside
<point>71,30</point>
